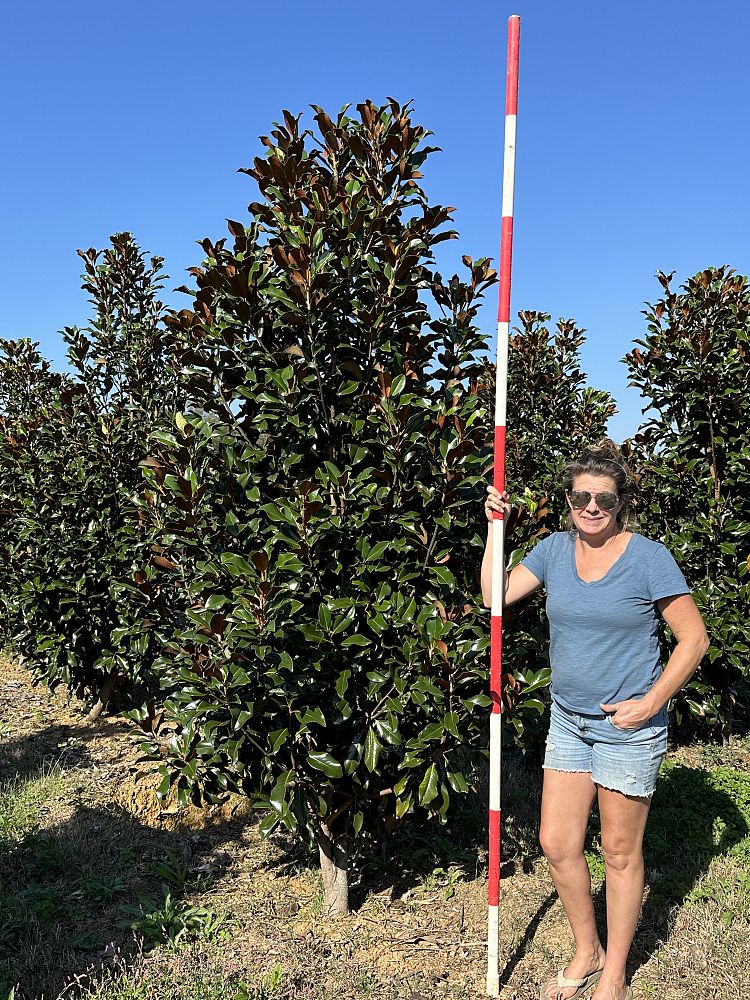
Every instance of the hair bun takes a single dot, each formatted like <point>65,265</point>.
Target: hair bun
<point>604,450</point>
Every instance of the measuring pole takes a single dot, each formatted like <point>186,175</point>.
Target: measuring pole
<point>498,523</point>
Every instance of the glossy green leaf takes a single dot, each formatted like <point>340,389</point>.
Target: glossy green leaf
<point>326,763</point>
<point>428,787</point>
<point>373,748</point>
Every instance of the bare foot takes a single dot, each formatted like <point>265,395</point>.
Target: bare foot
<point>615,991</point>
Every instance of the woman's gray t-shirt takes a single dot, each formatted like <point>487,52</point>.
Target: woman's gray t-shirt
<point>604,643</point>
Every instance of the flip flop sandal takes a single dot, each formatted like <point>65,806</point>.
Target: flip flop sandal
<point>580,986</point>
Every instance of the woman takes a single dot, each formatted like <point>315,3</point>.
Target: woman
<point>606,587</point>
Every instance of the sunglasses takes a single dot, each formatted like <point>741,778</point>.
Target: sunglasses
<point>605,501</point>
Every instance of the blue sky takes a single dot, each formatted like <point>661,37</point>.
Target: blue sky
<point>633,140</point>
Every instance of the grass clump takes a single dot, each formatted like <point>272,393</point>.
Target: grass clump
<point>192,977</point>
<point>173,921</point>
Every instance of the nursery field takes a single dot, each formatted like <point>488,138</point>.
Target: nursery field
<point>106,893</point>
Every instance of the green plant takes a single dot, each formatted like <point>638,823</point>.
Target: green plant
<point>27,388</point>
<point>595,863</point>
<point>173,921</point>
<point>318,500</point>
<point>443,878</point>
<point>367,983</point>
<point>173,869</point>
<point>195,974</point>
<point>693,459</point>
<point>21,803</point>
<point>75,605</point>
<point>269,985</point>
<point>99,888</point>
<point>696,816</point>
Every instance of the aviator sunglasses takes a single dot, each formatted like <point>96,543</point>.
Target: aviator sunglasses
<point>580,499</point>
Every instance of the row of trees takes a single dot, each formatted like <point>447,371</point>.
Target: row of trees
<point>267,508</point>
<point>693,458</point>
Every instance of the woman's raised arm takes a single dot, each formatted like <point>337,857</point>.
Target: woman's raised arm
<point>520,582</point>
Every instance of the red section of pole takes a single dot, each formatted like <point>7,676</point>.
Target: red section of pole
<point>493,896</point>
<point>496,634</point>
<point>498,524</point>
<point>506,261</point>
<point>511,71</point>
<point>499,459</point>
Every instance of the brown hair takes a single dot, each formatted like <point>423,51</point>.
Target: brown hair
<point>602,459</point>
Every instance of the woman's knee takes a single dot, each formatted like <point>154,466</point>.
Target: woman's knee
<point>619,856</point>
<point>559,848</point>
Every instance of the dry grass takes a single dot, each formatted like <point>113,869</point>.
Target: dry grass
<point>79,841</point>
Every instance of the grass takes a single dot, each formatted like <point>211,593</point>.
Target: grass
<point>35,867</point>
<point>23,802</point>
<point>192,977</point>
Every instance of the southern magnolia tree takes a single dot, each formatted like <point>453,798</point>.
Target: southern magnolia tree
<point>553,415</point>
<point>318,501</point>
<point>69,456</point>
<point>693,455</point>
<point>28,389</point>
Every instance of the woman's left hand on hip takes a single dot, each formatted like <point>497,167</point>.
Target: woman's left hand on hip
<point>628,714</point>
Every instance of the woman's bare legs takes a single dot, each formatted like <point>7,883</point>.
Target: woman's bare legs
<point>567,798</point>
<point>623,822</point>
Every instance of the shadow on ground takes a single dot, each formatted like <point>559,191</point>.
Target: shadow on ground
<point>694,818</point>
<point>63,882</point>
<point>67,746</point>
<point>416,850</point>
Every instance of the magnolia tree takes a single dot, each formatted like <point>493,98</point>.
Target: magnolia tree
<point>28,391</point>
<point>69,454</point>
<point>693,456</point>
<point>318,501</point>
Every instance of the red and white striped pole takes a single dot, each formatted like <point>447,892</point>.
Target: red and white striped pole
<point>498,533</point>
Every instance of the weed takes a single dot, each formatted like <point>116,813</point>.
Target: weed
<point>173,870</point>
<point>595,861</point>
<point>100,889</point>
<point>268,986</point>
<point>44,854</point>
<point>367,983</point>
<point>191,976</point>
<point>443,878</point>
<point>173,921</point>
<point>697,815</point>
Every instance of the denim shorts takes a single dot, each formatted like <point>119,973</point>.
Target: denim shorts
<point>626,760</point>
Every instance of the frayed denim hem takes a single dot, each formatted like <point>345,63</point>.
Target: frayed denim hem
<point>628,794</point>
<point>567,770</point>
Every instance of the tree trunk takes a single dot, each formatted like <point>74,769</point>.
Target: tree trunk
<point>104,694</point>
<point>728,699</point>
<point>334,866</point>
